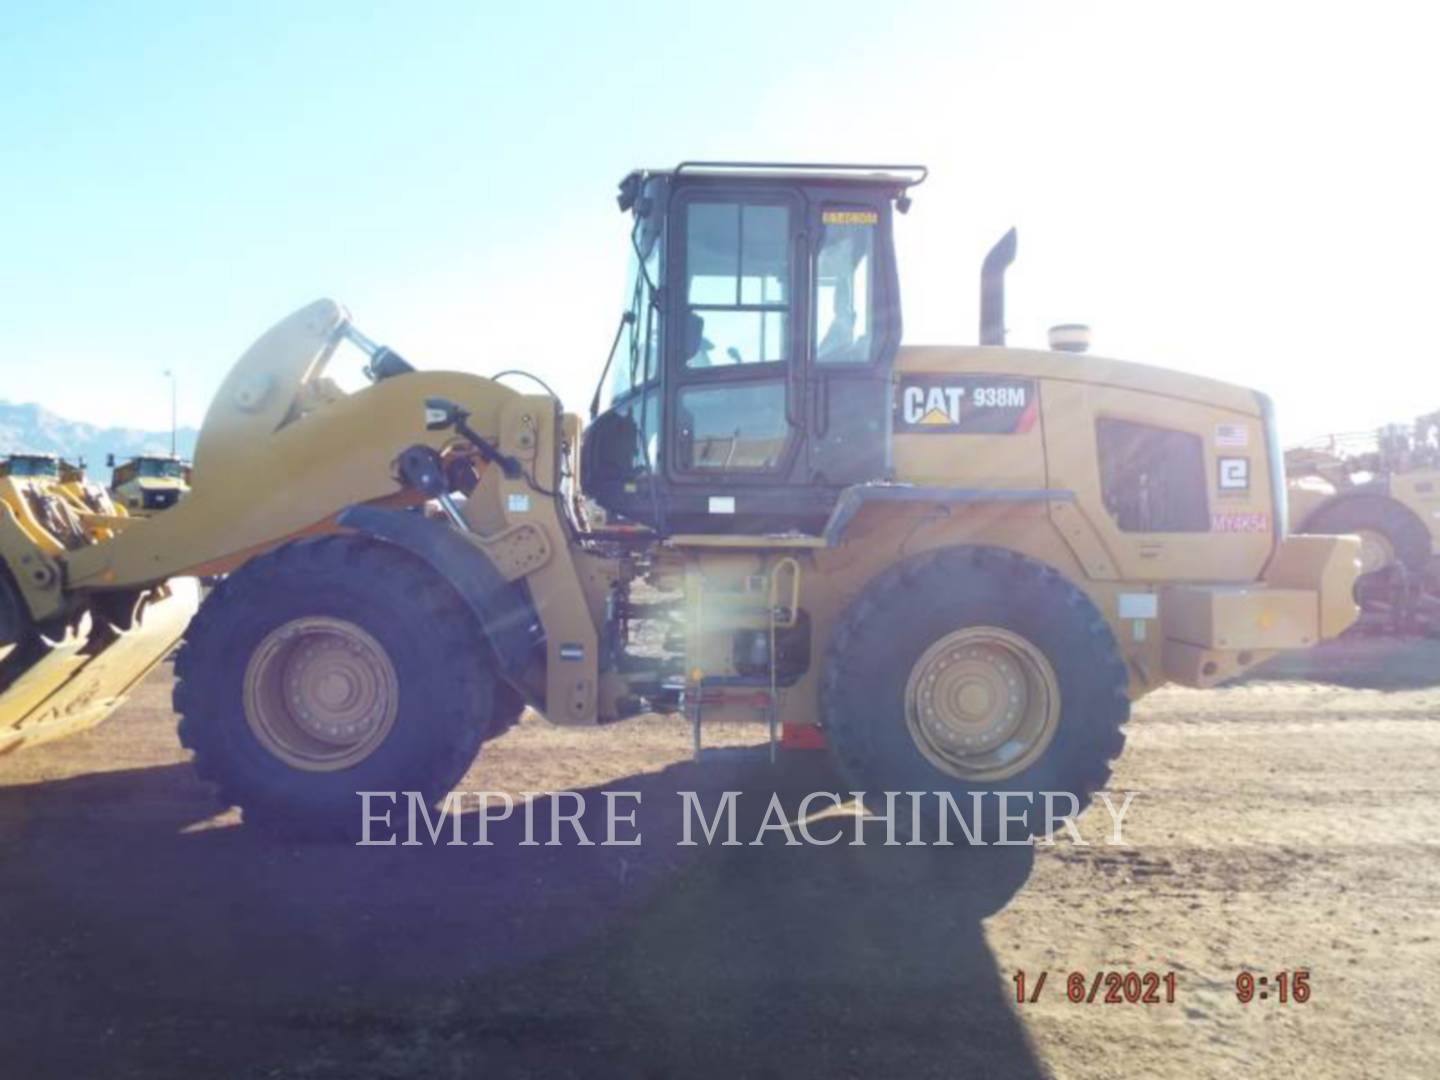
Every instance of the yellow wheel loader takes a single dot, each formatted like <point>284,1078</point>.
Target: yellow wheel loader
<point>42,466</point>
<point>52,675</point>
<point>51,467</point>
<point>52,487</point>
<point>1383,487</point>
<point>955,566</point>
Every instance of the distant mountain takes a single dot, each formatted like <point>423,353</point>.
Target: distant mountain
<point>29,427</point>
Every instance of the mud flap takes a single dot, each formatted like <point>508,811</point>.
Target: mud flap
<point>81,679</point>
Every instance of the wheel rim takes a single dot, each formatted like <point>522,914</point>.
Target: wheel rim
<point>320,694</point>
<point>982,703</point>
<point>1376,551</point>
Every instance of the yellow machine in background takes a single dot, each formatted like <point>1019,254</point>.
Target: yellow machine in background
<point>148,483</point>
<point>47,509</point>
<point>43,466</point>
<point>1384,487</point>
<point>956,566</point>
<point>50,474</point>
<point>72,472</point>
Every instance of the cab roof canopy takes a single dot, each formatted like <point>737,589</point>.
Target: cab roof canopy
<point>896,177</point>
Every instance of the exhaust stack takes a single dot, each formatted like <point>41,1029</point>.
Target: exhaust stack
<point>992,289</point>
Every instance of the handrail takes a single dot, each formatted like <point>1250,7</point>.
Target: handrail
<point>923,171</point>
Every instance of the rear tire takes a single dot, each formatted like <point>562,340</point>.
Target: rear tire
<point>1022,636</point>
<point>373,641</point>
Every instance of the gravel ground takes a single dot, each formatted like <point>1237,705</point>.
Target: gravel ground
<point>1279,825</point>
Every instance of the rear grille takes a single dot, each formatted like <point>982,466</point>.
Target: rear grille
<point>159,500</point>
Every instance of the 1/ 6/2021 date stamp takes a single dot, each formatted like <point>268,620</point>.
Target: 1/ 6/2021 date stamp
<point>1157,988</point>
<point>1101,987</point>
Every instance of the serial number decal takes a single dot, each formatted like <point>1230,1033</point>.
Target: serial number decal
<point>1251,522</point>
<point>965,405</point>
<point>1102,988</point>
<point>849,217</point>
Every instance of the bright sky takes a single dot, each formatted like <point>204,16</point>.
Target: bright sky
<point>1248,191</point>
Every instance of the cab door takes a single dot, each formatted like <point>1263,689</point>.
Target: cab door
<point>855,334</point>
<point>738,316</point>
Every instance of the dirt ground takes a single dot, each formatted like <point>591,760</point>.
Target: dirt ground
<point>1280,825</point>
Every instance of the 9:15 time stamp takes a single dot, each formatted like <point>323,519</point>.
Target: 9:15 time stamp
<point>1284,986</point>
<point>1154,988</point>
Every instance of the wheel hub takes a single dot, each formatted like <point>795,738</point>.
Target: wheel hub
<point>320,693</point>
<point>982,703</point>
<point>1376,551</point>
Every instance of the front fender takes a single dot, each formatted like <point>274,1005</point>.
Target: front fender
<point>503,608</point>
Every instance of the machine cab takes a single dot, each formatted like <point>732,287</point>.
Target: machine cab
<point>750,380</point>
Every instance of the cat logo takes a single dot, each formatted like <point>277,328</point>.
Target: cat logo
<point>933,405</point>
<point>965,405</point>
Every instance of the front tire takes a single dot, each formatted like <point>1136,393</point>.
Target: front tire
<point>975,670</point>
<point>327,667</point>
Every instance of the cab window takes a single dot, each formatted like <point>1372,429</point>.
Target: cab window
<point>156,469</point>
<point>1152,478</point>
<point>733,427</point>
<point>34,467</point>
<point>636,362</point>
<point>737,284</point>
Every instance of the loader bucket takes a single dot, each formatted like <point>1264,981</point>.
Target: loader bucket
<point>81,679</point>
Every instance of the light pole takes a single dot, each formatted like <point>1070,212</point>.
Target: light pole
<point>169,374</point>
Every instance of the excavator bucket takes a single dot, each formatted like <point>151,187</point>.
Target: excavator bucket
<point>79,680</point>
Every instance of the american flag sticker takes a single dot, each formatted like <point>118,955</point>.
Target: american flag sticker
<point>1232,435</point>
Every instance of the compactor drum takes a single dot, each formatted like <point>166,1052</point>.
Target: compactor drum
<point>1383,487</point>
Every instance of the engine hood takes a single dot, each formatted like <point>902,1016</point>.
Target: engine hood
<point>1070,367</point>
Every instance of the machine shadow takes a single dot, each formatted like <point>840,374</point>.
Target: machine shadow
<point>139,941</point>
<point>1358,662</point>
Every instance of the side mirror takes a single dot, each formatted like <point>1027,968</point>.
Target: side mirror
<point>441,414</point>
